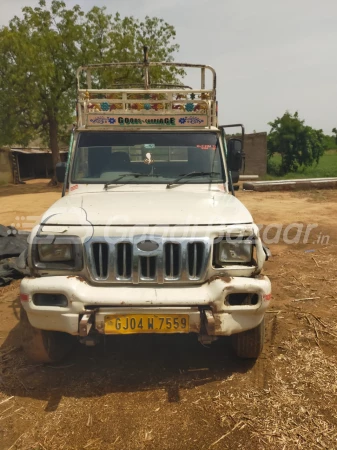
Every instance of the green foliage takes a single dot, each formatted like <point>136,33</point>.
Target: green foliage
<point>299,145</point>
<point>330,142</point>
<point>334,130</point>
<point>274,165</point>
<point>40,53</point>
<point>115,39</point>
<point>327,167</point>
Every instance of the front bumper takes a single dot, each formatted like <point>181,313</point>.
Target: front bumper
<point>205,304</point>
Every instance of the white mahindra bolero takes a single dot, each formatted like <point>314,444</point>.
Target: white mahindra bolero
<point>148,236</point>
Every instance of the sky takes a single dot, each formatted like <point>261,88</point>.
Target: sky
<point>270,55</point>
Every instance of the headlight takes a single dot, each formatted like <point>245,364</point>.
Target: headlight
<point>55,252</point>
<point>232,251</point>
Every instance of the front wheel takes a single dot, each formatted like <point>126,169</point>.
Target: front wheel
<point>249,344</point>
<point>41,345</point>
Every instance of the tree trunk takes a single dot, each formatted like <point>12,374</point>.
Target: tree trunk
<point>54,147</point>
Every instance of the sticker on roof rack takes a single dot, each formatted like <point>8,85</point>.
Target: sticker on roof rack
<point>148,120</point>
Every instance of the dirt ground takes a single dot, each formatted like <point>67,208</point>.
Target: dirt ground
<point>159,392</point>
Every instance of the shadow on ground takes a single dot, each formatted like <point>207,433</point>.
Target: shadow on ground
<point>118,364</point>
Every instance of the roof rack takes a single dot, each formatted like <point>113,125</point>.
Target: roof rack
<point>145,105</point>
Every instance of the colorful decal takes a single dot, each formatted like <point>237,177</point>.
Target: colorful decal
<point>207,147</point>
<point>188,107</point>
<point>105,106</point>
<point>148,120</point>
<point>73,188</point>
<point>192,120</point>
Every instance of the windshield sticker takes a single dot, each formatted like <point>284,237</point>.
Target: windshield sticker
<point>147,120</point>
<point>149,145</point>
<point>207,147</point>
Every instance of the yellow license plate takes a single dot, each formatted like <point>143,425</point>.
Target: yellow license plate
<point>146,323</point>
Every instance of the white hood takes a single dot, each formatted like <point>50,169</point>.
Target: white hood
<point>140,205</point>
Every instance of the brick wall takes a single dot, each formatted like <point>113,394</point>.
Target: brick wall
<point>255,147</point>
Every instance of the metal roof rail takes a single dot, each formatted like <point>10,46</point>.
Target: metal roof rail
<point>163,106</point>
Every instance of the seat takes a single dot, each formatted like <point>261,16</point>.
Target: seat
<point>120,162</point>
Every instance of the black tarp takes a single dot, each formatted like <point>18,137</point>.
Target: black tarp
<point>9,271</point>
<point>12,245</point>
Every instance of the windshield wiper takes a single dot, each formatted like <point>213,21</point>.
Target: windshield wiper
<point>119,178</point>
<point>190,174</point>
<point>128,175</point>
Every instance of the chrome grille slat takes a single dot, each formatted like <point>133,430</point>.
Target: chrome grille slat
<point>120,261</point>
<point>148,267</point>
<point>172,252</point>
<point>124,260</point>
<point>100,259</point>
<point>171,265</point>
<point>195,254</point>
<point>195,260</point>
<point>100,256</point>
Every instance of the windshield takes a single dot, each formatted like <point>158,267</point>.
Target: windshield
<point>147,157</point>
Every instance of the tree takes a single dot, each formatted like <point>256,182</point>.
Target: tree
<point>298,144</point>
<point>40,53</point>
<point>334,130</point>
<point>330,142</point>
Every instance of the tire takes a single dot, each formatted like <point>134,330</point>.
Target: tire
<point>43,346</point>
<point>249,344</point>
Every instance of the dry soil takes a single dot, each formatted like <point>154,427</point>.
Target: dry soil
<point>159,392</point>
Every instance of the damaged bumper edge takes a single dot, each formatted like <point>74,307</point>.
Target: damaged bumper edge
<point>206,304</point>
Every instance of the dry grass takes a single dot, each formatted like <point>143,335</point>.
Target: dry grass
<point>298,408</point>
<point>294,409</point>
<point>286,401</point>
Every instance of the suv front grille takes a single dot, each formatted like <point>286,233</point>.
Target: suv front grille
<point>100,252</point>
<point>184,260</point>
<point>172,255</point>
<point>124,260</point>
<point>148,267</point>
<point>195,255</point>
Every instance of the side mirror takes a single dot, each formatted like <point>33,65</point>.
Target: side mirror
<point>234,156</point>
<point>61,171</point>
